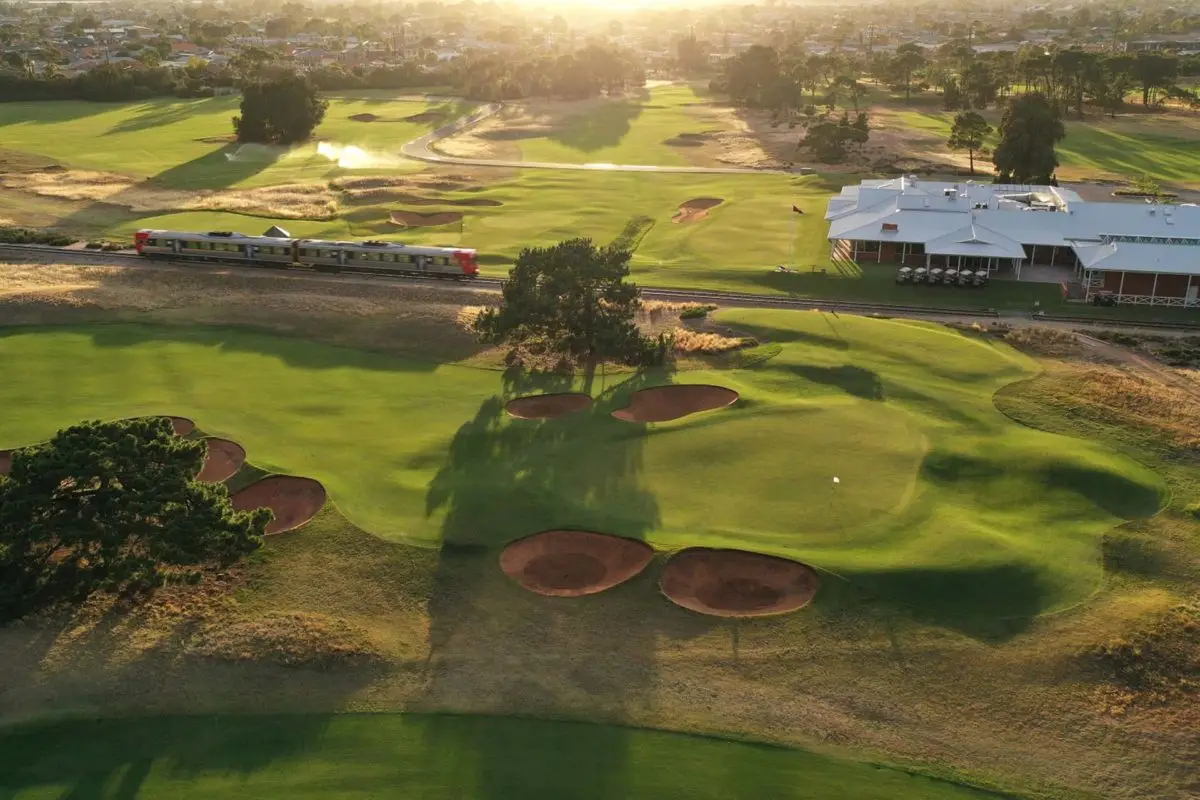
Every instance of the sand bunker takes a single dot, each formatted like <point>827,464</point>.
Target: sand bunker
<point>688,140</point>
<point>415,219</point>
<point>665,403</point>
<point>573,563</point>
<point>5,461</point>
<point>294,500</point>
<point>182,425</point>
<point>696,209</point>
<point>224,460</point>
<point>734,583</point>
<point>363,117</point>
<point>547,406</point>
<point>426,116</point>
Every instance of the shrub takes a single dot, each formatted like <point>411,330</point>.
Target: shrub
<point>33,236</point>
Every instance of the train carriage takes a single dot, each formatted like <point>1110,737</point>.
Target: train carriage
<point>370,256</point>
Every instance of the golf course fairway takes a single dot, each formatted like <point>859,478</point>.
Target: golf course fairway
<point>420,756</point>
<point>942,504</point>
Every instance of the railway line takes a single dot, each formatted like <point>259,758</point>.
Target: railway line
<point>476,285</point>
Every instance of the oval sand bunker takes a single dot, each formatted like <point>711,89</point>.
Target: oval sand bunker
<point>547,406</point>
<point>5,461</point>
<point>696,209</point>
<point>223,461</point>
<point>294,500</point>
<point>735,583</point>
<point>665,403</point>
<point>573,563</point>
<point>182,425</point>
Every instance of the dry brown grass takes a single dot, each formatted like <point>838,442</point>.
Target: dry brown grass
<point>288,201</point>
<point>288,639</point>
<point>1044,341</point>
<point>690,341</point>
<point>1140,400</point>
<point>410,319</point>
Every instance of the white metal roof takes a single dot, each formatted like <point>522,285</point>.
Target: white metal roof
<point>1175,259</point>
<point>919,211</point>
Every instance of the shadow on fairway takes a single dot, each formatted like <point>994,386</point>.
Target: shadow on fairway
<point>112,758</point>
<point>295,352</point>
<point>963,599</point>
<point>856,381</point>
<point>218,169</point>
<point>156,113</point>
<point>497,648</point>
<point>603,127</point>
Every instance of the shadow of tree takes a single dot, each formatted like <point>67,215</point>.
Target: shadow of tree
<point>156,113</point>
<point>495,647</point>
<point>604,126</point>
<point>863,383</point>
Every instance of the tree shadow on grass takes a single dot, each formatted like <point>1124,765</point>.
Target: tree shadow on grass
<point>218,169</point>
<point>112,758</point>
<point>605,126</point>
<point>156,113</point>
<point>856,381</point>
<point>964,599</point>
<point>498,648</point>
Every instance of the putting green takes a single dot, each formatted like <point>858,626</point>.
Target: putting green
<point>941,501</point>
<point>430,757</point>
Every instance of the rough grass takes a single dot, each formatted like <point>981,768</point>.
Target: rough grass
<point>292,639</point>
<point>286,201</point>
<point>1156,663</point>
<point>691,341</point>
<point>414,319</point>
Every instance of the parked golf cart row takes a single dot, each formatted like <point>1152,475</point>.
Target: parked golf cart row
<point>945,277</point>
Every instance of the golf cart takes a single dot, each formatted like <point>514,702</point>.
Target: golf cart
<point>919,275</point>
<point>904,275</point>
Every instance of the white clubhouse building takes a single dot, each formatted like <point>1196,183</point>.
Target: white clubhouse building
<point>1138,253</point>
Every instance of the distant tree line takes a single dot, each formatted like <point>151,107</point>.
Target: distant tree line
<point>117,83</point>
<point>1069,78</point>
<point>588,72</point>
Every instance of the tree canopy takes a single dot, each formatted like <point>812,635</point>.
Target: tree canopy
<point>571,301</point>
<point>1029,131</point>
<point>111,506</point>
<point>968,133</point>
<point>281,110</point>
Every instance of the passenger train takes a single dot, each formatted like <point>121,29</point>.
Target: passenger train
<point>370,256</point>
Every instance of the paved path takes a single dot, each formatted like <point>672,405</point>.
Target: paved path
<point>422,150</point>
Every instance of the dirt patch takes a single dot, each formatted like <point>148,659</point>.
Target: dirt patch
<point>665,403</point>
<point>415,219</point>
<point>426,116</point>
<point>696,209</point>
<point>547,406</point>
<point>182,425</point>
<point>226,139</point>
<point>735,583</point>
<point>6,461</point>
<point>573,563</point>
<point>223,461</point>
<point>294,500</point>
<point>363,117</point>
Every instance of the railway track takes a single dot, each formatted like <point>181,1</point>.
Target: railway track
<point>733,299</point>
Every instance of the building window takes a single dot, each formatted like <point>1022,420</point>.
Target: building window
<point>868,247</point>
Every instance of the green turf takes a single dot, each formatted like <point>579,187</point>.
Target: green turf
<point>1097,147</point>
<point>177,142</point>
<point>627,130</point>
<point>427,757</point>
<point>944,505</point>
